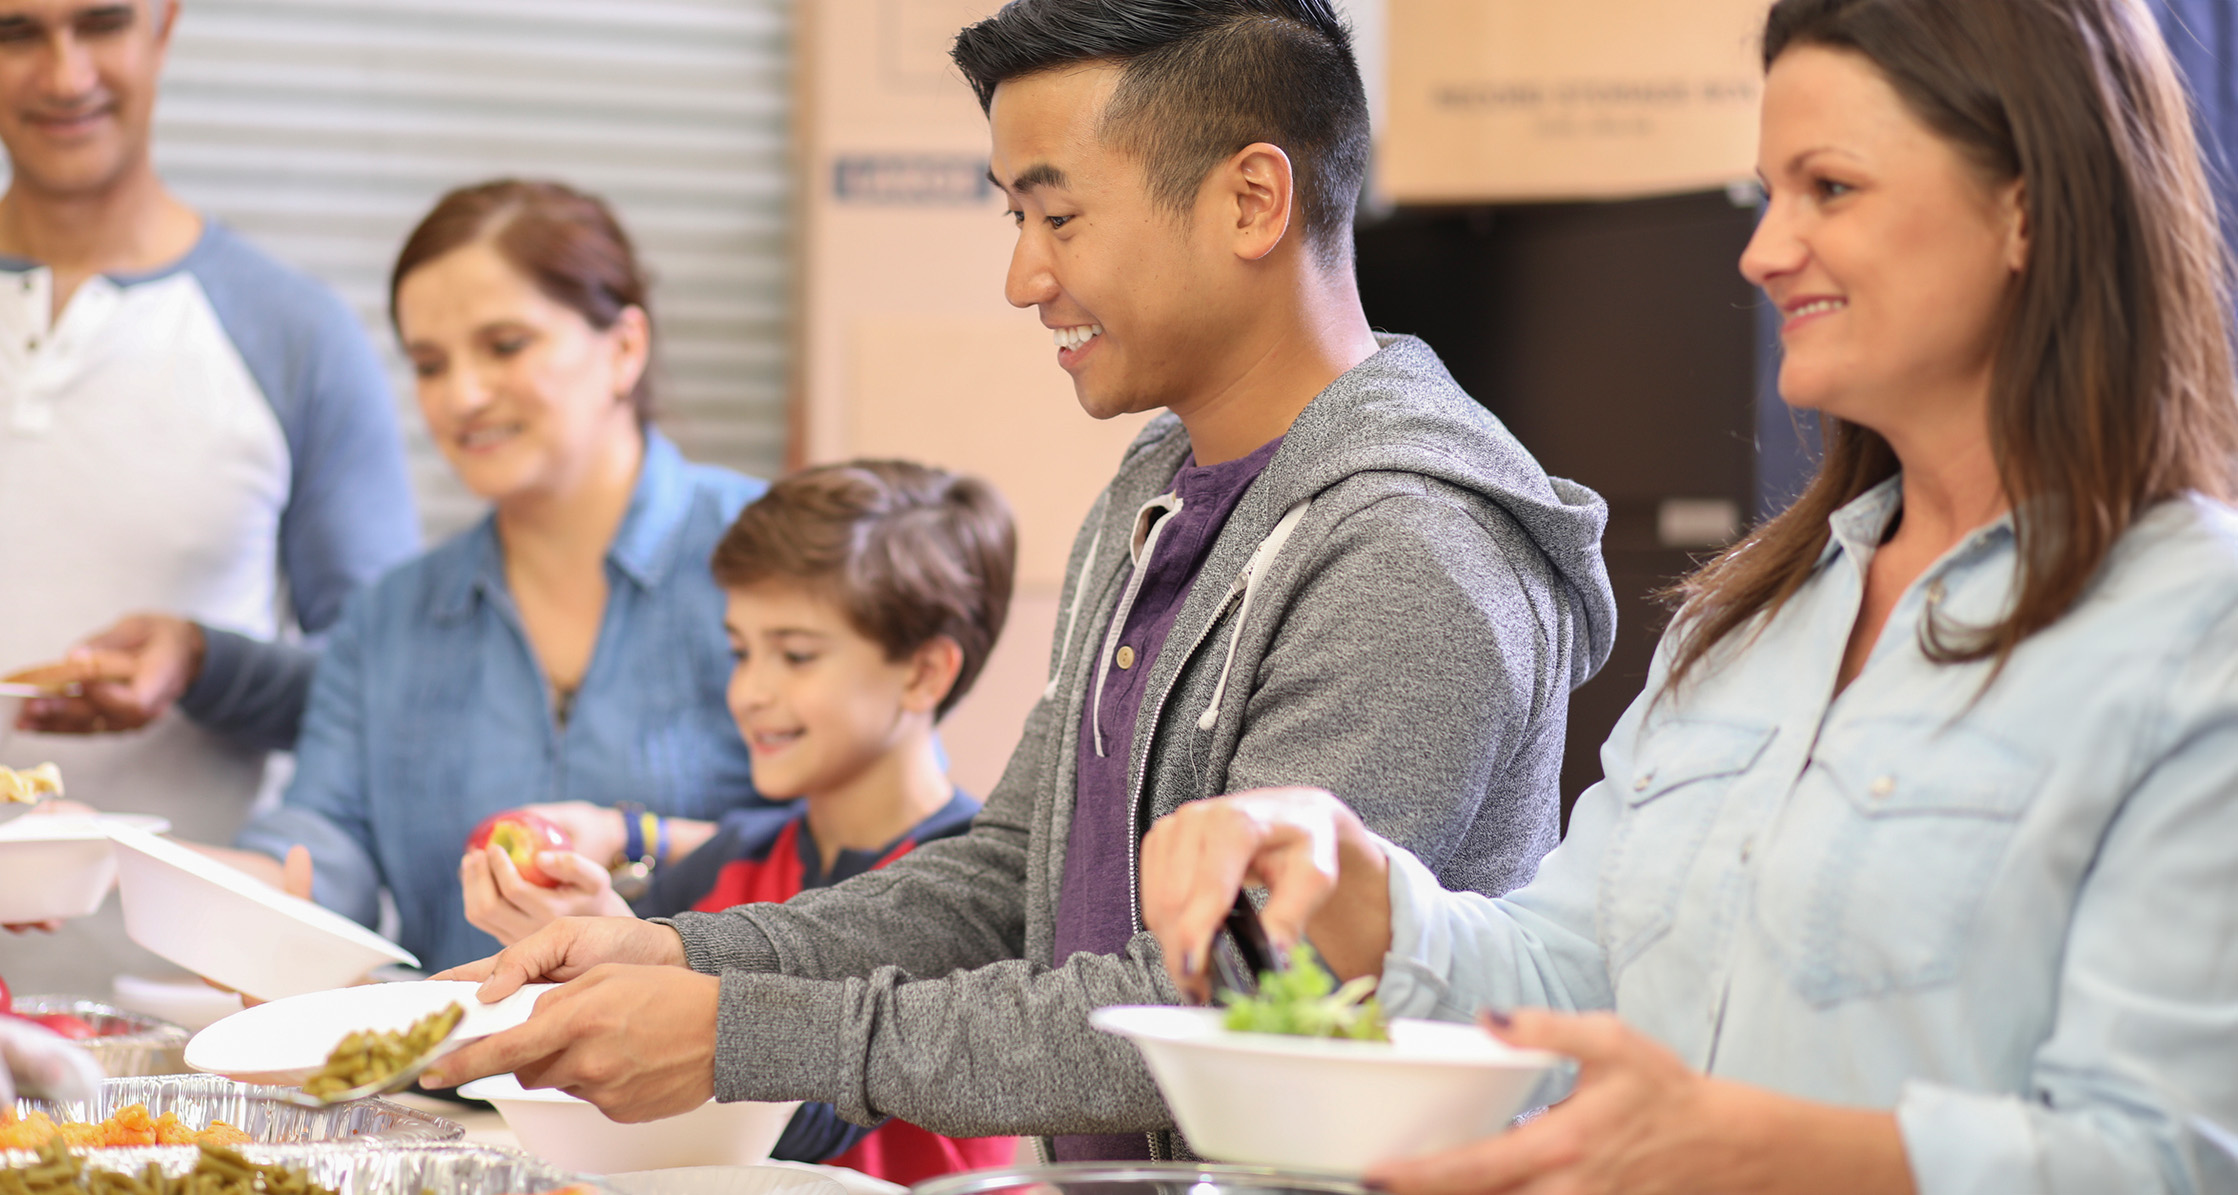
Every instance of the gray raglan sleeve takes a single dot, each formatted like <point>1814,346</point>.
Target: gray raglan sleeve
<point>349,515</point>
<point>1007,1048</point>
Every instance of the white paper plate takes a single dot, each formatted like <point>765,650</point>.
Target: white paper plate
<point>226,925</point>
<point>286,1040</point>
<point>60,865</point>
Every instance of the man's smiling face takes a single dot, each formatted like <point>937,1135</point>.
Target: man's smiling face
<point>77,88</point>
<point>1131,293</point>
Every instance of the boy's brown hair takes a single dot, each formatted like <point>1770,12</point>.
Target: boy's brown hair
<point>910,553</point>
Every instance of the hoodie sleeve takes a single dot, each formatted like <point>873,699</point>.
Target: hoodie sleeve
<point>1422,650</point>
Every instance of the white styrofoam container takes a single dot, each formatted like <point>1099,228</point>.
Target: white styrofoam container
<point>226,925</point>
<point>53,868</point>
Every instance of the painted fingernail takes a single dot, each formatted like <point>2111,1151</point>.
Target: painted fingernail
<point>1192,963</point>
<point>434,1079</point>
<point>1496,1018</point>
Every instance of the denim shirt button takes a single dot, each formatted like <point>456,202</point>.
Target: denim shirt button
<point>1883,786</point>
<point>1640,785</point>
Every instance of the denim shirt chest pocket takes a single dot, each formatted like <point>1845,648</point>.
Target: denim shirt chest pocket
<point>1885,855</point>
<point>1681,774</point>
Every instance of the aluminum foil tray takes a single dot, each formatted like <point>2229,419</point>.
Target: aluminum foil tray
<point>200,1099</point>
<point>365,1168</point>
<point>1144,1178</point>
<point>128,1044</point>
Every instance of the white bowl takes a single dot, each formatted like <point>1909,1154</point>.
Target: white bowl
<point>574,1135</point>
<point>1332,1107</point>
<point>54,867</point>
<point>285,1041</point>
<point>226,925</point>
<point>769,1178</point>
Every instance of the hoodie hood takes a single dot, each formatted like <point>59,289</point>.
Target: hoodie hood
<point>1401,411</point>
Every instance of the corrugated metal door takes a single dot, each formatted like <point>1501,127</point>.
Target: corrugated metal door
<point>324,128</point>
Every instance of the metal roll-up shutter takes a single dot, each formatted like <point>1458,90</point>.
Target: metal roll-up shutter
<point>323,129</point>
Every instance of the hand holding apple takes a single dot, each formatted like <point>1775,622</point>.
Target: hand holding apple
<point>522,835</point>
<point>502,903</point>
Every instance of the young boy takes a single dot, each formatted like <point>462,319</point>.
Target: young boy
<point>863,601</point>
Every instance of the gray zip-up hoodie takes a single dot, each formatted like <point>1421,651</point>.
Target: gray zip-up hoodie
<point>1408,641</point>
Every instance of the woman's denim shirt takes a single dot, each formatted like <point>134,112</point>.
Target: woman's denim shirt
<point>429,712</point>
<point>2010,914</point>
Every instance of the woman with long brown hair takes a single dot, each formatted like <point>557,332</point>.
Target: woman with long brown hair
<point>1912,868</point>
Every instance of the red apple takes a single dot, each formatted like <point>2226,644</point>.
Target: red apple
<point>521,834</point>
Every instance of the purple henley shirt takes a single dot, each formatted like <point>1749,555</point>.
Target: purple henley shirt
<point>1094,910</point>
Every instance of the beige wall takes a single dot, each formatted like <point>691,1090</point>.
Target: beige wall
<point>907,347</point>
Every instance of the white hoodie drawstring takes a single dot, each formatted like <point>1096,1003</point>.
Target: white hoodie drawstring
<point>1248,580</point>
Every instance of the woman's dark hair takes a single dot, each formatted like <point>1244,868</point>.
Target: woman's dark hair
<point>565,242</point>
<point>2111,387</point>
<point>1201,79</point>
<point>910,553</point>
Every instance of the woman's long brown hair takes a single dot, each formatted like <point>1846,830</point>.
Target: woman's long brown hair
<point>2111,388</point>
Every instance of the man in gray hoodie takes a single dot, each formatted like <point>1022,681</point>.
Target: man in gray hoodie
<point>1325,564</point>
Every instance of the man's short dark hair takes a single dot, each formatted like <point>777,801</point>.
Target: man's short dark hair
<point>1201,79</point>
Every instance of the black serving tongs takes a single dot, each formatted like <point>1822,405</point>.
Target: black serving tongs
<point>1238,970</point>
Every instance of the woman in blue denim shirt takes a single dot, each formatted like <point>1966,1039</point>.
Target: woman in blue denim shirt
<point>1916,865</point>
<point>568,647</point>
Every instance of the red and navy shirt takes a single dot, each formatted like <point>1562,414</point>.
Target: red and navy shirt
<point>769,854</point>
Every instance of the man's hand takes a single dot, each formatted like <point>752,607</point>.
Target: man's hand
<point>128,676</point>
<point>569,948</point>
<point>594,1040</point>
<point>501,903</point>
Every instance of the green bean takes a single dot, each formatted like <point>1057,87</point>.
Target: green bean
<point>367,1057</point>
<point>217,1171</point>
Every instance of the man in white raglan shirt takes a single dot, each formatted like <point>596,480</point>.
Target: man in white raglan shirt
<point>185,426</point>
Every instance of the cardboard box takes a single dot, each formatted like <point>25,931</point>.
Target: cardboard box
<point>1529,100</point>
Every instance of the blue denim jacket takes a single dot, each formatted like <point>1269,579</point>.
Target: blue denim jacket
<point>429,712</point>
<point>2008,914</point>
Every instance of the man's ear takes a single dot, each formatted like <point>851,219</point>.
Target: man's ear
<point>166,15</point>
<point>1257,196</point>
<point>933,668</point>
